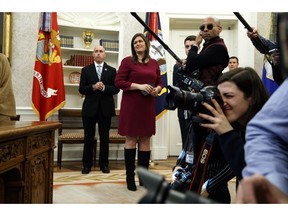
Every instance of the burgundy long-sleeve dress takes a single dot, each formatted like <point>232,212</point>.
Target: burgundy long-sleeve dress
<point>137,112</point>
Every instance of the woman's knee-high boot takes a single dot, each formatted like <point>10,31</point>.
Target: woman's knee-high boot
<point>130,168</point>
<point>143,160</point>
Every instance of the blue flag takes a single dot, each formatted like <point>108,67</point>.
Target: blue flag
<point>157,52</point>
<point>267,76</point>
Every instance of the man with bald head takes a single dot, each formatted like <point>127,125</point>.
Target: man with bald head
<point>214,57</point>
<point>208,65</point>
<point>97,85</point>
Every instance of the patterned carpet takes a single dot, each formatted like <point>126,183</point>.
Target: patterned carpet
<point>97,188</point>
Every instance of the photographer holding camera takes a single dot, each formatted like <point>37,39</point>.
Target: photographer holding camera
<point>224,112</point>
<point>177,81</point>
<point>213,58</point>
<point>271,51</point>
<point>243,95</point>
<point>204,68</point>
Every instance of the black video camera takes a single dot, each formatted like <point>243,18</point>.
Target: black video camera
<point>189,82</point>
<point>187,100</point>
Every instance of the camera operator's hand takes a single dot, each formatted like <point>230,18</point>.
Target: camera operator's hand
<point>219,122</point>
<point>183,63</point>
<point>276,58</point>
<point>199,39</point>
<point>253,34</point>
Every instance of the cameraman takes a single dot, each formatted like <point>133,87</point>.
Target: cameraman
<point>183,114</point>
<point>213,58</point>
<point>209,64</point>
<point>243,94</point>
<point>265,47</point>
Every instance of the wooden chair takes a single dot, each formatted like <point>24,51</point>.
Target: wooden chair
<point>114,137</point>
<point>71,132</point>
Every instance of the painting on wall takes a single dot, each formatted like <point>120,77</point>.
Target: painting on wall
<point>5,33</point>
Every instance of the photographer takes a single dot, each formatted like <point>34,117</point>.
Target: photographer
<point>243,94</point>
<point>183,114</point>
<point>205,66</point>
<point>213,58</point>
<point>269,48</point>
<point>209,62</point>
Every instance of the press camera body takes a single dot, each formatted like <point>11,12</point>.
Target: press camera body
<point>177,98</point>
<point>189,81</point>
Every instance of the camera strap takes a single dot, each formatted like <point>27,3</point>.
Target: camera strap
<point>201,165</point>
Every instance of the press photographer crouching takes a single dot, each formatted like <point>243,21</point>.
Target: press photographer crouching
<point>211,163</point>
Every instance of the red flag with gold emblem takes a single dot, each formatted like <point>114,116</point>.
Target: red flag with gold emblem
<point>48,93</point>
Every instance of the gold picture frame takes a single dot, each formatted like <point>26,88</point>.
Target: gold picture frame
<point>6,33</point>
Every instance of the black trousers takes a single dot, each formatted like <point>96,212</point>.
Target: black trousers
<point>89,124</point>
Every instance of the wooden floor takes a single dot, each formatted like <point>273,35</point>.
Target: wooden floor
<point>68,166</point>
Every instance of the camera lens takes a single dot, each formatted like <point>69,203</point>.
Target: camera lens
<point>182,99</point>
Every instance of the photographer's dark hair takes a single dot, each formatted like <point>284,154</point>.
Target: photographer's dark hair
<point>134,55</point>
<point>249,82</point>
<point>190,38</point>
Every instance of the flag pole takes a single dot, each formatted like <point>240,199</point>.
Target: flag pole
<point>249,28</point>
<point>166,47</point>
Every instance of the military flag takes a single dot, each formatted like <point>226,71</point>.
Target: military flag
<point>267,75</point>
<point>48,93</point>
<point>157,52</point>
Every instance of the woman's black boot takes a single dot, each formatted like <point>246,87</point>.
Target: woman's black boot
<point>143,160</point>
<point>129,155</point>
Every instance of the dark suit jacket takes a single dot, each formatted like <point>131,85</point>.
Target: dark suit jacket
<point>95,100</point>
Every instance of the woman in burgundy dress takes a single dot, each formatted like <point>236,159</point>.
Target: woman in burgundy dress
<point>140,79</point>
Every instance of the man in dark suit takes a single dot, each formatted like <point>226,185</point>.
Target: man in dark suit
<point>97,84</point>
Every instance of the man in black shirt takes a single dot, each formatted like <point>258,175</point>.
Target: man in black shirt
<point>209,62</point>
